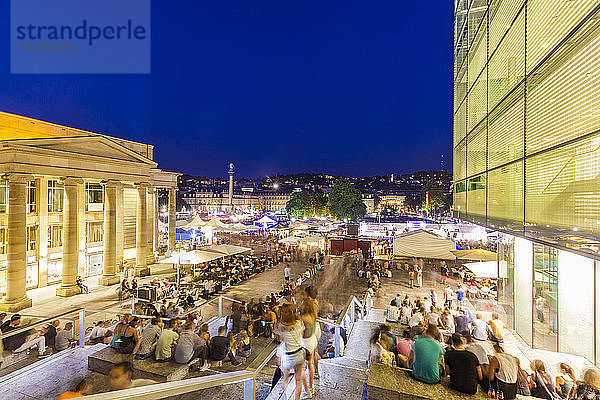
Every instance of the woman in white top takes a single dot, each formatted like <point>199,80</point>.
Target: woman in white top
<point>503,372</point>
<point>289,331</point>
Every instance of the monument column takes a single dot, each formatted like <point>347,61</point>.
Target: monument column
<point>70,261</point>
<point>230,193</point>
<point>16,269</point>
<point>109,277</point>
<point>141,231</point>
<point>172,217</point>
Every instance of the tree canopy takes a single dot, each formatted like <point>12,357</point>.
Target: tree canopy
<point>306,203</point>
<point>345,201</point>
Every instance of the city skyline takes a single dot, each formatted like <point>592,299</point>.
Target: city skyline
<point>275,88</point>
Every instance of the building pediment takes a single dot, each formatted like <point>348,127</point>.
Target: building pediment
<point>97,147</point>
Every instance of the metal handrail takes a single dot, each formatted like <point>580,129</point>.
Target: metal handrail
<point>177,388</point>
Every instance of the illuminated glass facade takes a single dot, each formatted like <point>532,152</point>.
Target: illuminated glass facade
<point>527,159</point>
<point>527,118</point>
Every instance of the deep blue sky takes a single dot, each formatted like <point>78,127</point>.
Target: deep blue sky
<point>346,87</point>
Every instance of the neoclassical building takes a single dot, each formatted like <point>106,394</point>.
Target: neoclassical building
<point>74,203</point>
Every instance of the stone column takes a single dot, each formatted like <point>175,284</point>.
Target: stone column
<point>16,269</point>
<point>150,226</point>
<point>70,238</point>
<point>141,231</point>
<point>155,229</point>
<point>42,243</point>
<point>172,227</point>
<point>109,277</point>
<point>120,224</point>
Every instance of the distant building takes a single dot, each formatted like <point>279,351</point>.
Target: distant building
<point>208,201</point>
<point>370,201</point>
<point>391,200</point>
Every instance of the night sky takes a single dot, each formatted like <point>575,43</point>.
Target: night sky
<point>352,88</point>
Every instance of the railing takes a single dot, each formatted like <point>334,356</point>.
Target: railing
<point>347,319</point>
<point>350,314</point>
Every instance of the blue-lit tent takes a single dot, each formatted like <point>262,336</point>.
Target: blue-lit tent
<point>265,222</point>
<point>183,234</point>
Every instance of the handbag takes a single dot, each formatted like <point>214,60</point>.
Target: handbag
<point>318,331</point>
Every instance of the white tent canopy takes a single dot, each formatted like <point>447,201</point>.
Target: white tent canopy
<point>423,244</point>
<point>226,249</point>
<point>290,240</point>
<point>195,223</point>
<point>192,257</point>
<point>485,269</point>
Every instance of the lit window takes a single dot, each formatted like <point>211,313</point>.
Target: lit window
<point>94,232</point>
<point>55,196</point>
<point>55,236</point>
<point>3,196</point>
<point>31,197</point>
<point>31,237</point>
<point>94,197</point>
<point>3,240</point>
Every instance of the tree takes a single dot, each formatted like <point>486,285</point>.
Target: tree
<point>345,201</point>
<point>306,203</point>
<point>436,196</point>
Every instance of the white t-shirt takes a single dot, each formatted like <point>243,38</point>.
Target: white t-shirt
<point>286,272</point>
<point>393,313</point>
<point>415,320</point>
<point>291,336</point>
<point>479,329</point>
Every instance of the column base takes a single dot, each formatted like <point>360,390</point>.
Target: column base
<point>141,271</point>
<point>108,280</point>
<point>67,291</point>
<point>16,306</point>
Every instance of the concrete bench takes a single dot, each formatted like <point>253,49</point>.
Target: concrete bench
<point>391,383</point>
<point>102,361</point>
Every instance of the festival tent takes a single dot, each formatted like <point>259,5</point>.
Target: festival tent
<point>186,234</point>
<point>485,269</point>
<point>423,244</point>
<point>193,257</point>
<point>290,240</point>
<point>475,255</point>
<point>265,221</point>
<point>195,223</point>
<point>215,223</point>
<point>226,249</point>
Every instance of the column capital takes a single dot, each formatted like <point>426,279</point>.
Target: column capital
<point>71,181</point>
<point>16,177</point>
<point>112,183</point>
<point>141,185</point>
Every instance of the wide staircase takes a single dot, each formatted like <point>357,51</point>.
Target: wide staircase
<point>345,377</point>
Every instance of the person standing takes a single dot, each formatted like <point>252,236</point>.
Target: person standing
<point>289,331</point>
<point>411,278</point>
<point>286,273</point>
<point>448,294</point>
<point>463,367</point>
<point>419,276</point>
<point>460,295</point>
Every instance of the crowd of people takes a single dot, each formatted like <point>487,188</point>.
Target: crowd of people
<point>48,339</point>
<point>441,338</point>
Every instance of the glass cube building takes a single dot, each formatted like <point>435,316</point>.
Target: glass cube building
<point>527,159</point>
